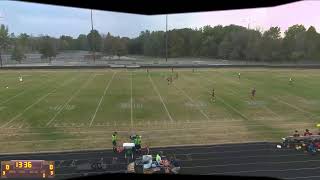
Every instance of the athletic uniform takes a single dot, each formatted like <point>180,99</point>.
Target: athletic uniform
<point>213,95</point>
<point>239,75</point>
<point>114,139</point>
<point>253,93</point>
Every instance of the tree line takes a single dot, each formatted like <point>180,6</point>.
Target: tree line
<point>224,42</point>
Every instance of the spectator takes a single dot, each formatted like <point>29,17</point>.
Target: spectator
<point>307,133</point>
<point>296,133</point>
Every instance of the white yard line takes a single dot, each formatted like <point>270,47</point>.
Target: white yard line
<point>268,109</point>
<point>101,99</point>
<point>191,100</point>
<point>131,113</point>
<point>142,131</point>
<point>292,106</point>
<point>164,105</point>
<point>70,99</point>
<point>9,99</point>
<point>26,109</point>
<point>30,106</point>
<point>158,138</point>
<point>17,95</point>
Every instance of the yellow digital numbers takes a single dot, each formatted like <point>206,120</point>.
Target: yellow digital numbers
<point>51,173</point>
<point>26,164</point>
<point>3,173</point>
<point>51,167</point>
<point>7,167</point>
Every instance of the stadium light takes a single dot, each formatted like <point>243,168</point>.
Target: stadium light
<point>1,17</point>
<point>94,57</point>
<point>166,38</point>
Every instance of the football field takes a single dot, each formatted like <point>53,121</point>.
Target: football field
<point>53,110</point>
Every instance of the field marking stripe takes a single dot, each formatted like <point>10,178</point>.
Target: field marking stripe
<point>101,99</point>
<point>66,103</point>
<point>229,131</point>
<point>26,109</point>
<point>292,106</point>
<point>162,138</point>
<point>131,113</point>
<point>190,99</point>
<point>229,125</point>
<point>20,93</point>
<point>92,150</point>
<point>236,93</point>
<point>156,90</point>
<point>43,97</point>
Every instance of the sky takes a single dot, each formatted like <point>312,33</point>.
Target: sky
<point>36,19</point>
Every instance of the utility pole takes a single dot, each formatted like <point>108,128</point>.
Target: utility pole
<point>1,49</point>
<point>93,43</point>
<point>166,38</point>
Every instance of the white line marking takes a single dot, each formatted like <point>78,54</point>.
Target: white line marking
<point>26,109</point>
<point>292,106</point>
<point>204,114</point>
<point>40,99</point>
<point>22,92</point>
<point>73,95</point>
<point>77,152</point>
<point>101,99</point>
<point>164,105</point>
<point>103,138</point>
<point>131,106</point>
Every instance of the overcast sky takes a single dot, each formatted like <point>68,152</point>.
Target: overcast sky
<point>38,19</point>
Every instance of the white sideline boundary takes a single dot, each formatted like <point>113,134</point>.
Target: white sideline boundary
<point>81,151</point>
<point>191,100</point>
<point>141,131</point>
<point>66,103</point>
<point>40,99</point>
<point>292,106</point>
<point>101,99</point>
<point>17,95</point>
<point>156,90</point>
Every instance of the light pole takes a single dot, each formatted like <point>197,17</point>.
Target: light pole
<point>1,17</point>
<point>92,40</point>
<point>166,38</point>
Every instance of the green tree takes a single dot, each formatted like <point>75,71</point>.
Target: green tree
<point>82,42</point>
<point>94,40</point>
<point>47,48</point>
<point>17,53</point>
<point>4,40</point>
<point>24,42</point>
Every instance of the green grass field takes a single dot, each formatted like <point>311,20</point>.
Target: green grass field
<point>79,109</point>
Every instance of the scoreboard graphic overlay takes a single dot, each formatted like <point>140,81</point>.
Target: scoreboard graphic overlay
<point>27,169</point>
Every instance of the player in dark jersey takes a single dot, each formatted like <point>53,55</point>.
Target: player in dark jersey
<point>213,95</point>
<point>253,93</point>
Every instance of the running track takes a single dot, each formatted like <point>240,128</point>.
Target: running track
<point>251,159</point>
